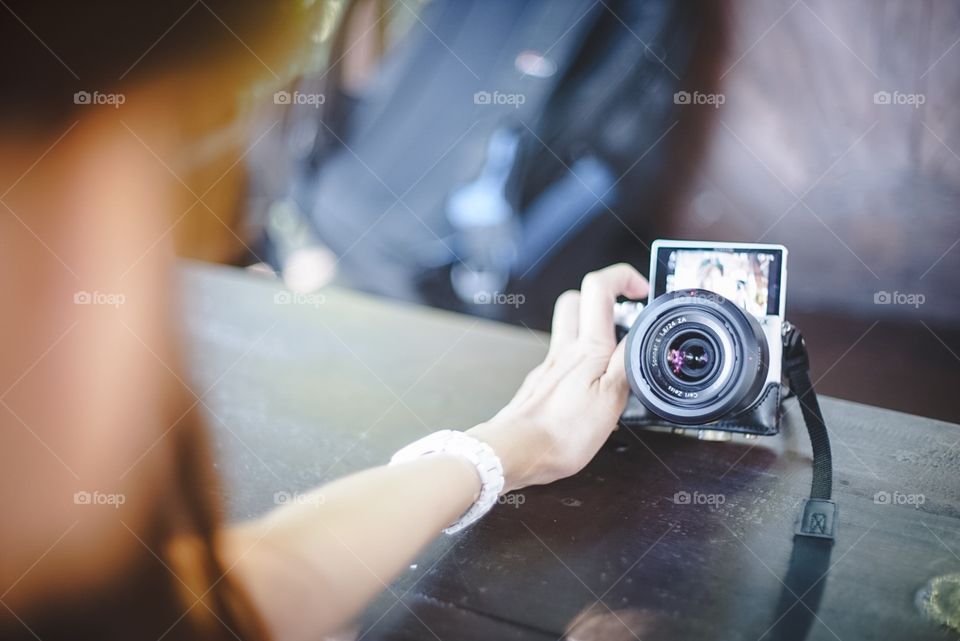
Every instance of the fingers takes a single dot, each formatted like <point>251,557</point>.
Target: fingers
<point>614,380</point>
<point>616,375</point>
<point>598,293</point>
<point>566,320</point>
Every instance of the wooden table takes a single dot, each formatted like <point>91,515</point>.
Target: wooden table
<point>306,389</point>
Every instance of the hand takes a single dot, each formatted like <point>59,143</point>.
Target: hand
<point>568,405</point>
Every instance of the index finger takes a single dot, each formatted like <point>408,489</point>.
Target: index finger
<point>599,292</point>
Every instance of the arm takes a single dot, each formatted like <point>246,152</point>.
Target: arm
<point>312,566</point>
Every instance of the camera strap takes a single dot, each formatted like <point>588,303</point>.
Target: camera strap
<point>819,513</point>
<point>804,584</point>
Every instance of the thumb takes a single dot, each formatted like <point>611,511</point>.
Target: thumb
<point>615,377</point>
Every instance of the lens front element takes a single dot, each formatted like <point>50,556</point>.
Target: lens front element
<point>691,357</point>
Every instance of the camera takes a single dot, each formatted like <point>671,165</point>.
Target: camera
<point>706,352</point>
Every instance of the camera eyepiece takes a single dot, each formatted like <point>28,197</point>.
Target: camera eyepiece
<point>694,357</point>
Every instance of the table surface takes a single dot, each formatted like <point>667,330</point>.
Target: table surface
<point>303,390</point>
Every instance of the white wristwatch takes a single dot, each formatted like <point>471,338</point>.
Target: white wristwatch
<point>480,455</point>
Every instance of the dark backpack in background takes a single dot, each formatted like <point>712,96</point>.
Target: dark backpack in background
<point>503,149</point>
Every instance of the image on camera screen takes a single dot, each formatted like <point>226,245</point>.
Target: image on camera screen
<point>742,277</point>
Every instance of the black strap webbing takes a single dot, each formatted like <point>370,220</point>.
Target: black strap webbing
<point>804,583</point>
<point>818,518</point>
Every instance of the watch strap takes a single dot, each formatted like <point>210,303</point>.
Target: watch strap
<point>479,454</point>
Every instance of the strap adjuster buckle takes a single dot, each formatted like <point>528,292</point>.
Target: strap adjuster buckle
<point>818,519</point>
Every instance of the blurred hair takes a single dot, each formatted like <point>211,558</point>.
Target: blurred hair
<point>51,51</point>
<point>54,49</point>
<point>175,589</point>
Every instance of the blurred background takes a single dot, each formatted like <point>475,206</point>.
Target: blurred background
<point>482,155</point>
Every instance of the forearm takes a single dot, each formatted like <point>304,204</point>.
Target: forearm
<point>311,566</point>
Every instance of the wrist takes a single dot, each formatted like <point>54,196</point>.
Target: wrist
<point>450,445</point>
<point>463,470</point>
<point>517,444</point>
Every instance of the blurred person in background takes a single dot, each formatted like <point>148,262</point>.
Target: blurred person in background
<point>476,148</point>
<point>113,115</point>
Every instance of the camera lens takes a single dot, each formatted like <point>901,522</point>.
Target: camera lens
<point>691,357</point>
<point>694,357</point>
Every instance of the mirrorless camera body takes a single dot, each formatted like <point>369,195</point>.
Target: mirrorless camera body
<point>706,352</point>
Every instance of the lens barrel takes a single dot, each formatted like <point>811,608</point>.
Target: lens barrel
<point>694,357</point>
